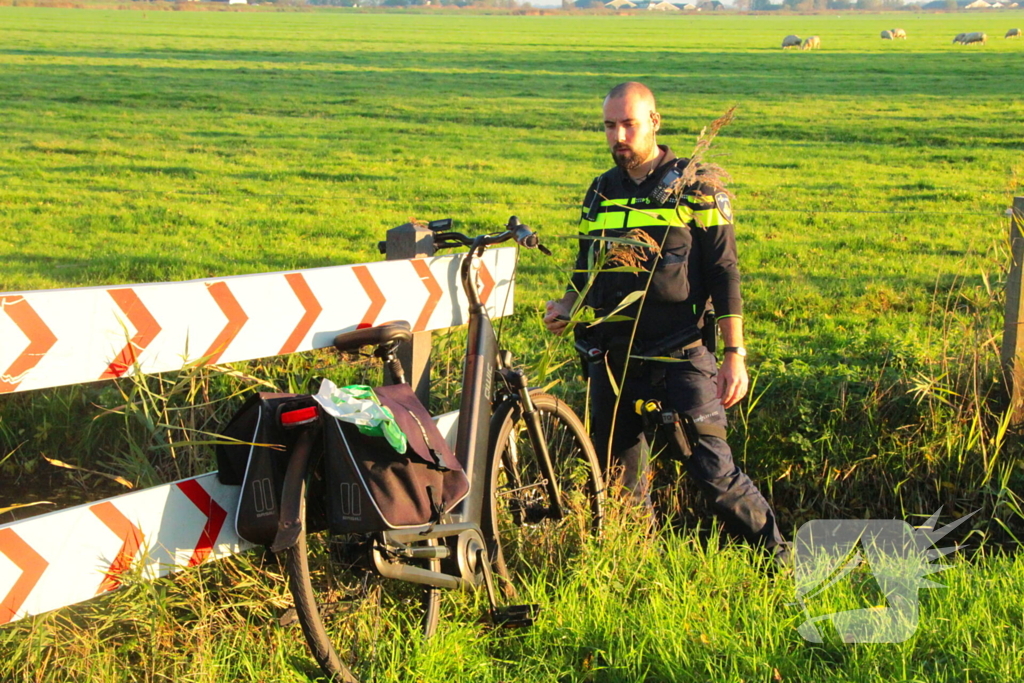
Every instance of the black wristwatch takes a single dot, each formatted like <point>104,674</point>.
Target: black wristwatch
<point>738,350</point>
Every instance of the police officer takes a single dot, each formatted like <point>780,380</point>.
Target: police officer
<point>681,251</point>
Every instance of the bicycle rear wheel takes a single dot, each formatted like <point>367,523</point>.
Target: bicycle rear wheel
<point>525,531</point>
<point>345,608</point>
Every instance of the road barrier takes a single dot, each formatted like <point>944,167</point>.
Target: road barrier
<point>61,337</point>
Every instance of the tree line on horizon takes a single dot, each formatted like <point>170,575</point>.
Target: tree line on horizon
<point>704,5</point>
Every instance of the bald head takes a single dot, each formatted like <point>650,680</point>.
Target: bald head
<point>635,91</point>
<point>630,124</point>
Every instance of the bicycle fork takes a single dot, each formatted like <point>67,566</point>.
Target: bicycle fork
<point>535,430</point>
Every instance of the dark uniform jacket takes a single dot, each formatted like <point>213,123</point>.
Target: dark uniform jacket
<point>697,257</point>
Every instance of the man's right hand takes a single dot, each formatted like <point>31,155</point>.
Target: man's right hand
<point>556,316</point>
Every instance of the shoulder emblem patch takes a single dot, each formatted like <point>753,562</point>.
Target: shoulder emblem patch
<point>724,205</point>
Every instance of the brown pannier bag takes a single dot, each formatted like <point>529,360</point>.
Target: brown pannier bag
<point>373,487</point>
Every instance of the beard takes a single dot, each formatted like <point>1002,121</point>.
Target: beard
<point>628,158</point>
<point>625,158</point>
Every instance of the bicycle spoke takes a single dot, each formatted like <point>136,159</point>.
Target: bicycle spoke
<point>529,533</point>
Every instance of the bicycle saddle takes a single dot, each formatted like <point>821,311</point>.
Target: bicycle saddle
<point>397,331</point>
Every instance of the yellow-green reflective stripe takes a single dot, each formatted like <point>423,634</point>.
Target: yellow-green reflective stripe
<point>709,218</point>
<point>638,218</point>
<point>677,218</point>
<point>609,220</point>
<point>698,198</point>
<point>616,202</point>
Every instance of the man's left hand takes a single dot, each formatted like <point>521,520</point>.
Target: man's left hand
<point>732,380</point>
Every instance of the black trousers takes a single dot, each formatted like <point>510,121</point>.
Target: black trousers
<point>686,387</point>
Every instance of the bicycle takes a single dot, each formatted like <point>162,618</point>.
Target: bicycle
<point>532,471</point>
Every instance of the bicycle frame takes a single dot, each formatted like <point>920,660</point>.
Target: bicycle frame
<point>466,562</point>
<point>478,373</point>
<point>483,366</point>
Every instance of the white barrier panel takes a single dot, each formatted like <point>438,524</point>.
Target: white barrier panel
<point>57,337</point>
<point>69,556</point>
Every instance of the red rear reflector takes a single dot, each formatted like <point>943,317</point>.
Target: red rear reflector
<point>302,416</point>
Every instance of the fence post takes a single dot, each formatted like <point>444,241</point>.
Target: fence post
<point>1013,340</point>
<point>406,242</point>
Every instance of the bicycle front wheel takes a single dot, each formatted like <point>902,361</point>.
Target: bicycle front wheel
<point>527,531</point>
<point>347,610</point>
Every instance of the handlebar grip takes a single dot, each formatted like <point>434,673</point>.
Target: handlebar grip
<point>525,237</point>
<point>522,234</point>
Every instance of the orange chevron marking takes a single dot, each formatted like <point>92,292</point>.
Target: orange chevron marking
<point>146,330</point>
<point>487,281</point>
<point>377,299</point>
<point>215,519</point>
<point>32,566</point>
<point>40,340</point>
<point>124,529</point>
<point>430,282</point>
<point>237,318</point>
<point>313,310</point>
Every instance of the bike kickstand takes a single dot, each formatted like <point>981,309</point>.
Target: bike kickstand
<point>508,615</point>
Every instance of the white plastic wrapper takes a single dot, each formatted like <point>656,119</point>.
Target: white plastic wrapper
<point>358,405</point>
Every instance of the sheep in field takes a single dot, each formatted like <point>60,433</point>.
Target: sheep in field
<point>974,37</point>
<point>898,34</point>
<point>886,35</point>
<point>812,43</point>
<point>1013,33</point>
<point>790,41</point>
<point>959,38</point>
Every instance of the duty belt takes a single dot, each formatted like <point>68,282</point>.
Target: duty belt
<point>594,351</point>
<point>681,351</point>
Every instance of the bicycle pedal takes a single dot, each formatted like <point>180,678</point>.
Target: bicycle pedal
<point>514,616</point>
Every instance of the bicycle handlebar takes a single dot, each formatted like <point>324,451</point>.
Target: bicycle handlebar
<point>444,237</point>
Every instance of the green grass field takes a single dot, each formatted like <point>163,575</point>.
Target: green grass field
<point>244,142</point>
<point>871,181</point>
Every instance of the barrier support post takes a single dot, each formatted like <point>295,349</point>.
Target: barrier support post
<point>1013,340</point>
<point>406,242</point>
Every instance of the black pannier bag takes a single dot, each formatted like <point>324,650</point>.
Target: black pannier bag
<point>258,463</point>
<point>373,487</point>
